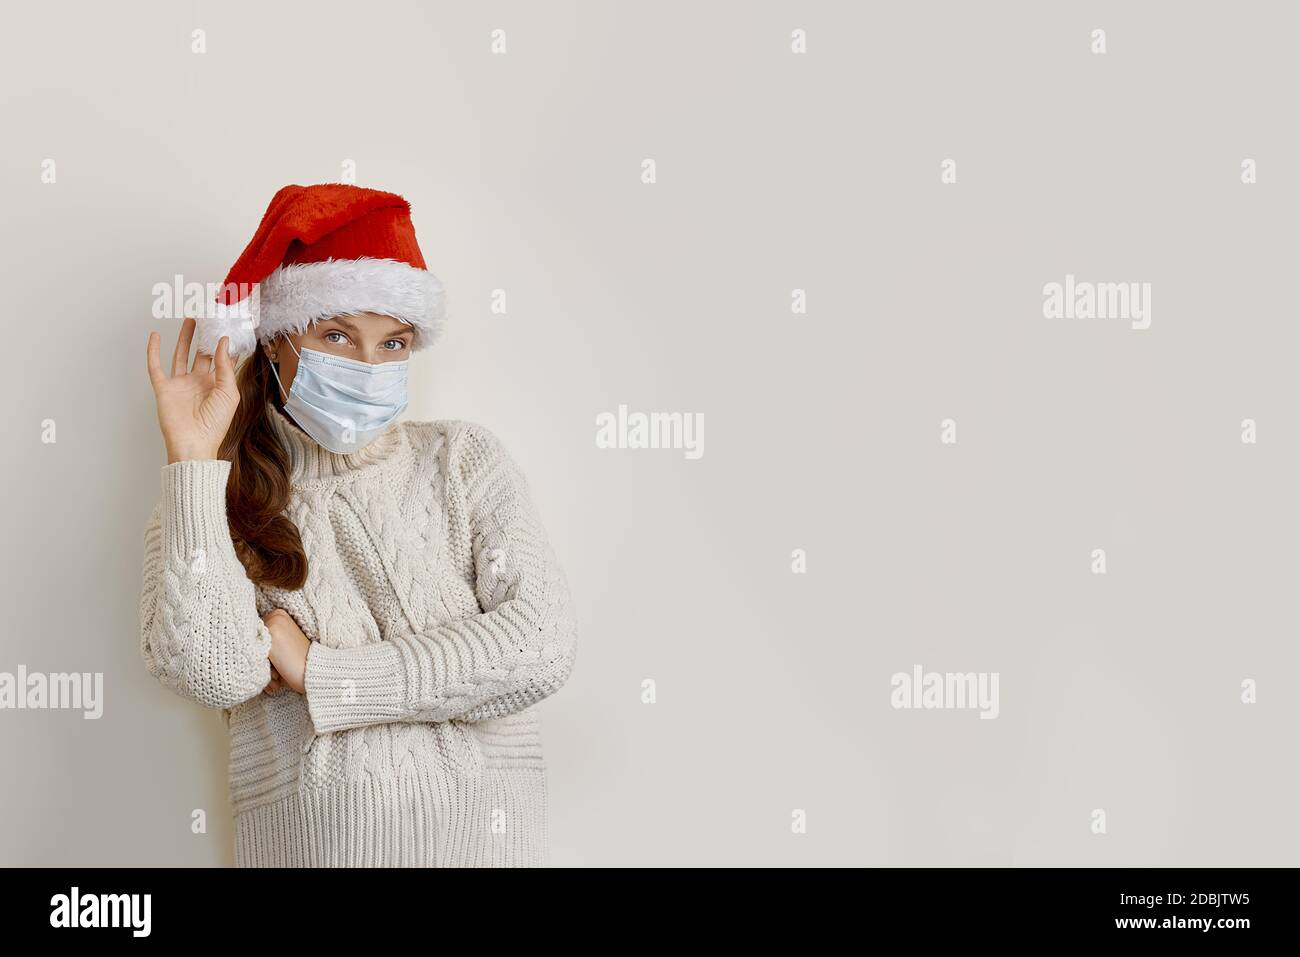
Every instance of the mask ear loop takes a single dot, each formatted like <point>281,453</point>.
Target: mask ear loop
<point>275,373</point>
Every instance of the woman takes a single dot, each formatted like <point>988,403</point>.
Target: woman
<point>371,602</point>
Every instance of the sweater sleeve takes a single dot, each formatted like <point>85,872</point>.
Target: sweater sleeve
<point>200,633</point>
<point>519,650</point>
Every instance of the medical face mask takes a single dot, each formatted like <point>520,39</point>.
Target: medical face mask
<point>342,403</point>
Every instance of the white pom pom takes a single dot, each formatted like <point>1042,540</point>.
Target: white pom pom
<point>235,321</point>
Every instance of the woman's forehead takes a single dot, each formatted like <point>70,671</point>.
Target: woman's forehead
<point>370,321</point>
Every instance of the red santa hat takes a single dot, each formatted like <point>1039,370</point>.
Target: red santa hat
<point>322,251</point>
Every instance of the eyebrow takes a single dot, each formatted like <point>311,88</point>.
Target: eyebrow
<point>351,327</point>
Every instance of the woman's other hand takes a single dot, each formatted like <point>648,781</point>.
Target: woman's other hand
<point>288,650</point>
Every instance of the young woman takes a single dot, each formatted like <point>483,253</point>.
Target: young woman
<point>372,602</point>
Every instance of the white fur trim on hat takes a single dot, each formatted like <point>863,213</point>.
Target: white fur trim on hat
<point>298,294</point>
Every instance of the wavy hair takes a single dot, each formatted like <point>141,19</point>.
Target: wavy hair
<point>266,540</point>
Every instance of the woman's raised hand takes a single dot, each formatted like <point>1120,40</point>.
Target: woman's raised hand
<point>195,407</point>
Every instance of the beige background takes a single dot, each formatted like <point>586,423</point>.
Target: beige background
<point>775,172</point>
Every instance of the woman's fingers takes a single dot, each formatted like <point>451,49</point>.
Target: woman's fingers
<point>202,363</point>
<point>180,358</point>
<point>154,361</point>
<point>225,367</point>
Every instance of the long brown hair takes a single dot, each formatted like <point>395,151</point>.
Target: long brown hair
<point>266,540</point>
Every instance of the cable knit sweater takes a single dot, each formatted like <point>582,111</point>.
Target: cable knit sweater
<point>438,616</point>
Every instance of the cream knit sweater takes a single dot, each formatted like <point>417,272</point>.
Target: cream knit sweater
<point>437,615</point>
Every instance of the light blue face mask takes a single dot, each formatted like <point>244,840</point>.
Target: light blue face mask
<point>342,403</point>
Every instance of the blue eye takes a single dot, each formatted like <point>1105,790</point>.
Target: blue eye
<point>334,332</point>
<point>400,344</point>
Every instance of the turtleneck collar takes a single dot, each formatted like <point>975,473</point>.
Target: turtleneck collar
<point>309,462</point>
